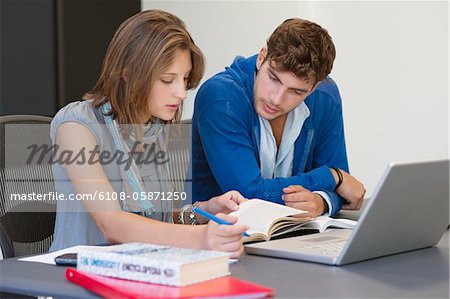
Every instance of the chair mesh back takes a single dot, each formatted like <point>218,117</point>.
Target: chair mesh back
<point>29,224</point>
<point>179,153</point>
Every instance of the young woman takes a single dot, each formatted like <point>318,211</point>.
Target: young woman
<point>150,64</point>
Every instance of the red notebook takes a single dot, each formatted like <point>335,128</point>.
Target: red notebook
<point>108,287</point>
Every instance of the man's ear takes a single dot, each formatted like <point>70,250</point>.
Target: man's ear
<point>261,57</point>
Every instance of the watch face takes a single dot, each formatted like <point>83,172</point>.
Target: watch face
<point>187,215</point>
<point>192,219</point>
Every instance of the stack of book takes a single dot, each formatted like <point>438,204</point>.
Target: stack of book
<point>138,270</point>
<point>154,263</point>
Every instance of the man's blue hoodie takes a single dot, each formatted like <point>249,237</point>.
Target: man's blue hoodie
<point>226,134</point>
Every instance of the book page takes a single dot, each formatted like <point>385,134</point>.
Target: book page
<point>291,225</point>
<point>323,222</point>
<point>259,215</point>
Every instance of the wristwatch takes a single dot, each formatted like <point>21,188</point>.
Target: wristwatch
<point>192,216</point>
<point>188,210</point>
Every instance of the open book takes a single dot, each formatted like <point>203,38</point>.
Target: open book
<point>267,220</point>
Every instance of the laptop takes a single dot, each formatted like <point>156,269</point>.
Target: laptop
<point>409,210</point>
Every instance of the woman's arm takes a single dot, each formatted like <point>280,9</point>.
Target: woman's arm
<point>119,226</point>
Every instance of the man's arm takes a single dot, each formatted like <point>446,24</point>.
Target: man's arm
<point>229,148</point>
<point>227,136</point>
<point>330,149</point>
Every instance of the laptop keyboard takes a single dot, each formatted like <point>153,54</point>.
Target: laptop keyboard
<point>326,248</point>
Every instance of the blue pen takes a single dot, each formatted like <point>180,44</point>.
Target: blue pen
<point>214,218</point>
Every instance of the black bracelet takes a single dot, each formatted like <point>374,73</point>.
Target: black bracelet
<point>340,177</point>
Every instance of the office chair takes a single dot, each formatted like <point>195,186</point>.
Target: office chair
<point>179,154</point>
<point>6,247</point>
<point>26,227</point>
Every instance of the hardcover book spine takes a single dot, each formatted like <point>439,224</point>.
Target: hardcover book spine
<point>129,267</point>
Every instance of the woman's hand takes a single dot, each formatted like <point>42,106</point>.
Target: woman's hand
<point>225,203</point>
<point>223,237</point>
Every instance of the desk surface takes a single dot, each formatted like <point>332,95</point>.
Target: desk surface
<point>419,274</point>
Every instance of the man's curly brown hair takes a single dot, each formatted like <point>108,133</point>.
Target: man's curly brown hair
<point>303,48</point>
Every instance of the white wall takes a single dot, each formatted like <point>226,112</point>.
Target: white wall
<point>392,70</point>
<point>391,67</point>
<point>224,29</point>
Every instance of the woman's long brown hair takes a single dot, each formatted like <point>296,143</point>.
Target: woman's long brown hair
<point>142,48</point>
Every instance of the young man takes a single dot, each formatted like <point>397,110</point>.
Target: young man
<point>270,126</point>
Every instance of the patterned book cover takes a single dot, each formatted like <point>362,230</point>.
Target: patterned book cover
<point>154,263</point>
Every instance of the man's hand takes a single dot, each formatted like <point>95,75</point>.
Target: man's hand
<point>297,197</point>
<point>351,190</point>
